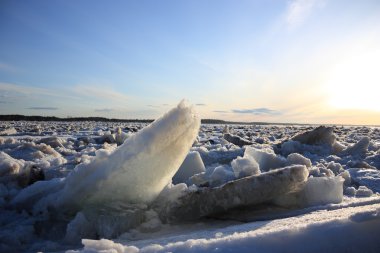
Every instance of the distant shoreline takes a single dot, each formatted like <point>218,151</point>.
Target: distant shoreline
<point>17,117</point>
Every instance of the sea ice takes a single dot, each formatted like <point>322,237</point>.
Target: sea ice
<point>192,165</point>
<point>323,190</point>
<point>245,166</point>
<point>363,191</point>
<point>266,158</point>
<point>10,168</point>
<point>366,177</point>
<point>296,158</point>
<point>320,140</point>
<point>316,191</point>
<point>221,175</point>
<point>150,157</point>
<point>8,131</point>
<point>237,140</point>
<point>359,148</point>
<point>241,192</point>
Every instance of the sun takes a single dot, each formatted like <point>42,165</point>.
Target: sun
<point>355,82</point>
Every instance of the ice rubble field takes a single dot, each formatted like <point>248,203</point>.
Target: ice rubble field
<point>167,187</point>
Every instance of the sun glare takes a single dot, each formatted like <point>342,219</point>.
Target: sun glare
<point>355,82</point>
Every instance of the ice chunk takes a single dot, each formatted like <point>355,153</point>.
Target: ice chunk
<point>367,177</point>
<point>8,131</point>
<point>221,175</point>
<point>363,192</point>
<point>319,140</point>
<point>335,167</point>
<point>120,136</point>
<point>316,191</point>
<point>360,148</point>
<point>323,190</point>
<point>245,166</point>
<point>266,158</point>
<point>296,158</point>
<point>104,245</point>
<point>200,179</point>
<point>9,167</point>
<point>319,136</point>
<point>350,191</point>
<point>242,192</point>
<point>347,177</point>
<point>53,141</point>
<point>192,165</point>
<point>237,140</point>
<point>138,170</point>
<point>290,146</point>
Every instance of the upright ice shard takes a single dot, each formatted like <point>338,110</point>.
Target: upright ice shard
<point>136,172</point>
<point>140,168</point>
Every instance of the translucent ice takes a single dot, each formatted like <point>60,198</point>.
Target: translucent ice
<point>323,190</point>
<point>137,171</point>
<point>192,165</point>
<point>266,158</point>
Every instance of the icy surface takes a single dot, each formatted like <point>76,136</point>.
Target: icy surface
<point>60,182</point>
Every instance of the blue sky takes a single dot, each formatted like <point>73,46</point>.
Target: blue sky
<point>306,61</point>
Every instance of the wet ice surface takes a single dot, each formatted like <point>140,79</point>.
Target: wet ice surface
<point>36,158</point>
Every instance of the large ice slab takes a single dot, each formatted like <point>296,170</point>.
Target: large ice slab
<point>242,192</point>
<point>137,171</point>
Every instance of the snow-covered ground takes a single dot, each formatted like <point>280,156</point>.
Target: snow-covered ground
<point>107,187</point>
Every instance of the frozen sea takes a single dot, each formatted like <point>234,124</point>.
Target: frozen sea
<point>178,186</point>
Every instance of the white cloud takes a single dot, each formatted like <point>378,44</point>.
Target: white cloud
<point>7,68</point>
<point>299,10</point>
<point>104,93</point>
<point>28,90</point>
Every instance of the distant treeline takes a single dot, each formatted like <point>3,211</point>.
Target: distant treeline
<point>16,117</point>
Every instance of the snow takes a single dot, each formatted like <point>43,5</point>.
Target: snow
<point>351,229</point>
<point>134,187</point>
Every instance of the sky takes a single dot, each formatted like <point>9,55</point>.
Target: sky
<point>291,61</point>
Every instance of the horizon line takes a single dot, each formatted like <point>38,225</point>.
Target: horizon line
<point>19,117</point>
